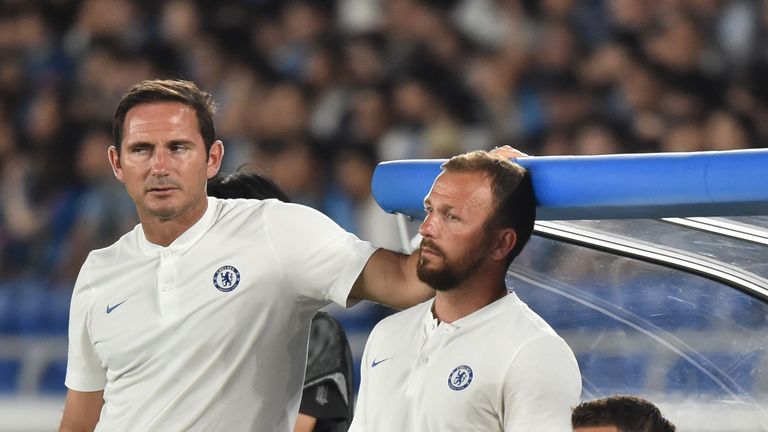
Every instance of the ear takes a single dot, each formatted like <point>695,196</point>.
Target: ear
<point>114,161</point>
<point>215,157</point>
<point>505,241</point>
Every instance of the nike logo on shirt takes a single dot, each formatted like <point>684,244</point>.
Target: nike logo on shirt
<point>110,309</point>
<point>375,363</point>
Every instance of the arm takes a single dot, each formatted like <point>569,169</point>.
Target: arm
<point>84,370</point>
<point>390,278</point>
<point>331,260</point>
<point>81,411</point>
<point>304,423</point>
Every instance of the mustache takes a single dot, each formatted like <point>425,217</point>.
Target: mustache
<point>163,184</point>
<point>429,244</point>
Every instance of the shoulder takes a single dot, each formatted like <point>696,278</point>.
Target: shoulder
<point>527,323</point>
<point>278,211</point>
<point>535,342</point>
<point>326,334</point>
<point>240,207</point>
<point>521,333</point>
<point>324,320</point>
<point>274,213</point>
<point>126,245</point>
<point>403,320</point>
<point>109,260</point>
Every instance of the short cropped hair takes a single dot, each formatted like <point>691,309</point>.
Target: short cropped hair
<point>245,185</point>
<point>185,92</point>
<point>627,413</point>
<point>512,190</point>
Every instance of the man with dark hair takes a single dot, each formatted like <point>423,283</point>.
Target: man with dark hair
<point>245,185</point>
<point>326,402</point>
<point>199,318</point>
<point>475,357</point>
<point>619,414</point>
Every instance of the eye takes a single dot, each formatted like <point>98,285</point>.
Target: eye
<point>178,147</point>
<point>427,209</point>
<point>139,149</point>
<point>451,217</point>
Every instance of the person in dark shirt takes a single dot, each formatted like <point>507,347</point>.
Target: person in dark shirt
<point>326,401</point>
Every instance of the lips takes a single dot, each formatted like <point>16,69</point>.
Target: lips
<point>427,248</point>
<point>428,251</point>
<point>161,190</point>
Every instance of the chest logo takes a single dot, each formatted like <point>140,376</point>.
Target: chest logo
<point>375,362</point>
<point>111,308</point>
<point>226,278</point>
<point>460,378</point>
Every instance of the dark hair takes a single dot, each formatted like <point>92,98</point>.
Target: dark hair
<point>245,185</point>
<point>627,413</point>
<point>185,92</point>
<point>512,189</point>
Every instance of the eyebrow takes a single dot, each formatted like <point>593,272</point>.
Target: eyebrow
<point>427,202</point>
<point>170,143</point>
<point>180,141</point>
<point>137,144</point>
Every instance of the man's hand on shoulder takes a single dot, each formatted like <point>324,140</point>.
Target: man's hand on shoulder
<point>507,152</point>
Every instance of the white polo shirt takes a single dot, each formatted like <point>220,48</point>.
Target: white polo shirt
<point>501,368</point>
<point>209,333</point>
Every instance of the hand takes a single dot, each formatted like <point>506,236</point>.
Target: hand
<point>507,152</point>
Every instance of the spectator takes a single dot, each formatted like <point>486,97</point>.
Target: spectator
<point>334,74</point>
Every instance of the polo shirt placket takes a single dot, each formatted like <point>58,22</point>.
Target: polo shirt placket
<point>167,292</point>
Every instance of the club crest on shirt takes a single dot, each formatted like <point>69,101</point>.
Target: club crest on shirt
<point>460,378</point>
<point>226,278</point>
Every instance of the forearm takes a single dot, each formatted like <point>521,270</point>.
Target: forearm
<point>81,411</point>
<point>304,423</point>
<point>390,278</point>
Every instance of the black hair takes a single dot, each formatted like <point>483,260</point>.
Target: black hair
<point>627,413</point>
<point>245,185</point>
<point>153,91</point>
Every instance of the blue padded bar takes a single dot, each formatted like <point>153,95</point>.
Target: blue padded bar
<point>654,185</point>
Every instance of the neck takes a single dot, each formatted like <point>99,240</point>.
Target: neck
<point>471,296</point>
<point>163,231</point>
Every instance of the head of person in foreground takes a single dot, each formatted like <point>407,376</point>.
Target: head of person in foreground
<point>619,414</point>
<point>165,149</point>
<point>479,215</point>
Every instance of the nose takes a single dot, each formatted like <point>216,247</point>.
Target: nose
<point>427,228</point>
<point>159,163</point>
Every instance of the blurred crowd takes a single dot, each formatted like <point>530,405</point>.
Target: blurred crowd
<point>315,93</point>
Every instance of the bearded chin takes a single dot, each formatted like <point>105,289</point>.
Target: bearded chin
<point>449,276</point>
<point>440,280</point>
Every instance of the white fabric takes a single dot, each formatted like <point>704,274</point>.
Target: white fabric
<point>524,377</point>
<point>175,353</point>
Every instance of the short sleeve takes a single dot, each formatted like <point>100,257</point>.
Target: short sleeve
<point>359,422</point>
<point>541,387</point>
<point>318,258</point>
<point>323,401</point>
<point>84,370</point>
